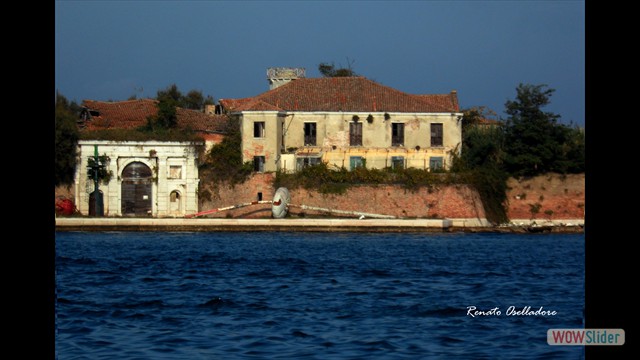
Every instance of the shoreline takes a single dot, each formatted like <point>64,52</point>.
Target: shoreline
<point>314,225</point>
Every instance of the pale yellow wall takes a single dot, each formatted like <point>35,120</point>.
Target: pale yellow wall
<point>380,158</point>
<point>268,146</point>
<point>332,130</point>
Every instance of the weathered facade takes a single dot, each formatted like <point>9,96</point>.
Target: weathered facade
<point>345,122</point>
<point>150,178</point>
<point>131,114</point>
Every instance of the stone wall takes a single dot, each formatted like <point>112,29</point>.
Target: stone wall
<point>158,156</point>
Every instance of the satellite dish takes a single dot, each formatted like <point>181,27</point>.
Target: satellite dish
<point>280,204</point>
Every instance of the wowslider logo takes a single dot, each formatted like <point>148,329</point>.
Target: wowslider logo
<point>585,336</point>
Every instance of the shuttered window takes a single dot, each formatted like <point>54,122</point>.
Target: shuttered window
<point>355,134</point>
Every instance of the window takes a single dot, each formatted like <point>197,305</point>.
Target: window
<point>397,134</point>
<point>309,134</point>
<point>435,163</point>
<point>175,172</point>
<point>355,134</point>
<point>258,129</point>
<point>436,134</point>
<point>356,162</point>
<point>174,196</point>
<point>304,161</point>
<point>397,162</point>
<point>258,163</point>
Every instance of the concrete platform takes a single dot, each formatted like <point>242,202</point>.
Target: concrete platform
<point>181,224</point>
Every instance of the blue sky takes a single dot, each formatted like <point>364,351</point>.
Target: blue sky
<point>110,50</point>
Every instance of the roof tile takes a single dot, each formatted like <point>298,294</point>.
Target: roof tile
<point>342,94</point>
<point>132,114</point>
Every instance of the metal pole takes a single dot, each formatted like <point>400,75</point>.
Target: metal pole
<point>97,204</point>
<point>95,171</point>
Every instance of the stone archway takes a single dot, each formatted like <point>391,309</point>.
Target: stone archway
<point>136,195</point>
<point>175,202</point>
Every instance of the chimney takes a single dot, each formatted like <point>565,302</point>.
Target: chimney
<point>209,109</point>
<point>279,76</point>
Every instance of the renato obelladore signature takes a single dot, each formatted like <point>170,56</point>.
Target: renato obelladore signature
<point>511,311</point>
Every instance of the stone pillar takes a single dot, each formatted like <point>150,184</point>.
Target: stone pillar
<point>161,196</point>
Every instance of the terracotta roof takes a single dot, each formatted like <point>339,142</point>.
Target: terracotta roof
<point>488,122</point>
<point>258,105</point>
<point>200,121</point>
<point>234,103</point>
<point>131,114</point>
<point>342,94</point>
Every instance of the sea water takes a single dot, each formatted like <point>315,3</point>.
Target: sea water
<point>279,295</point>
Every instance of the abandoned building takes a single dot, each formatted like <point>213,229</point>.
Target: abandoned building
<point>148,178</point>
<point>344,122</point>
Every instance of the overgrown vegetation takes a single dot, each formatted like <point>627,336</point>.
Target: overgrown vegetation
<point>158,134</point>
<point>534,142</point>
<point>224,163</point>
<point>66,140</point>
<point>330,70</point>
<point>491,184</point>
<point>163,125</point>
<point>530,142</point>
<point>103,175</point>
<point>326,180</point>
<point>169,100</point>
<point>480,162</point>
<point>193,100</point>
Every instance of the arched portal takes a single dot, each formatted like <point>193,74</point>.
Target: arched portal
<point>175,202</point>
<point>137,179</point>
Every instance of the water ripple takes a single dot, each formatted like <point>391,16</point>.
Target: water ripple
<point>313,295</point>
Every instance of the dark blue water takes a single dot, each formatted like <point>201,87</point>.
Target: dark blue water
<point>314,295</point>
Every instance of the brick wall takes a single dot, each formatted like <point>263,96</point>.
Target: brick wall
<point>450,201</point>
<point>223,194</point>
<point>557,197</point>
<point>561,197</point>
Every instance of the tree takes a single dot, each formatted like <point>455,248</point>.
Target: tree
<point>166,117</point>
<point>171,92</point>
<point>225,158</point>
<point>572,155</point>
<point>193,100</point>
<point>474,115</point>
<point>329,70</point>
<point>483,147</point>
<point>533,139</point>
<point>169,99</point>
<point>481,162</point>
<point>480,145</point>
<point>66,140</point>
